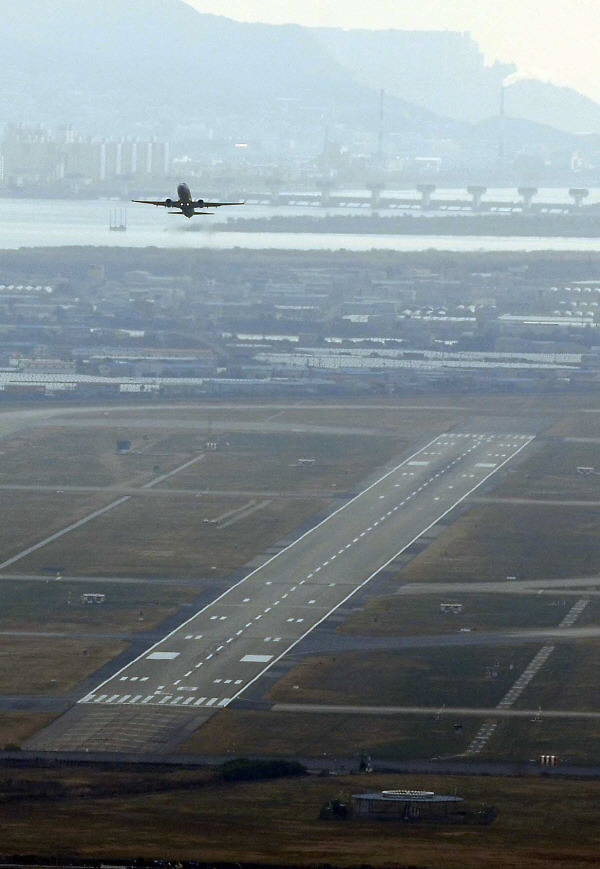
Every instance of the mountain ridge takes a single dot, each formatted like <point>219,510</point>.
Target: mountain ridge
<point>152,67</point>
<point>445,71</point>
<point>167,56</point>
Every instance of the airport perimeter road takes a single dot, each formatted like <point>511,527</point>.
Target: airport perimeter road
<point>211,659</point>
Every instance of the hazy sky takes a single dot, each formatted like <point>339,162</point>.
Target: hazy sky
<point>557,38</point>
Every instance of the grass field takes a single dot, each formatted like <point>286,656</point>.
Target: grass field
<point>148,538</point>
<point>50,665</point>
<point>28,517</point>
<point>398,737</point>
<point>406,423</point>
<point>518,739</point>
<point>419,677</point>
<point>393,738</point>
<point>551,472</point>
<point>413,615</point>
<point>270,462</point>
<point>55,605</point>
<point>17,726</point>
<point>526,541</point>
<point>568,680</point>
<point>585,424</point>
<point>57,456</point>
<point>540,823</point>
<point>202,415</point>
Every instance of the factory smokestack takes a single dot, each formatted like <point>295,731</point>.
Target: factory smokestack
<point>380,133</point>
<point>502,130</point>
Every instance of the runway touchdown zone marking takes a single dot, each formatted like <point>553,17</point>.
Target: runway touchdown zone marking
<point>269,660</point>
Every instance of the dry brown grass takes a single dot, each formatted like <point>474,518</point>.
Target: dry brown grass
<point>417,677</point>
<point>298,734</point>
<point>402,422</point>
<point>525,739</point>
<point>17,726</point>
<point>496,541</point>
<point>551,473</point>
<point>276,821</point>
<point>148,537</point>
<point>579,425</point>
<point>50,665</point>
<point>199,413</point>
<point>56,605</point>
<point>568,680</point>
<point>28,517</point>
<point>60,456</point>
<point>407,614</point>
<point>269,462</point>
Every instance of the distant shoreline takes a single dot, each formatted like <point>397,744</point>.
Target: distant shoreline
<point>525,226</point>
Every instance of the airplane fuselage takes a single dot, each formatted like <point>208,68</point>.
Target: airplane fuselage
<point>186,203</point>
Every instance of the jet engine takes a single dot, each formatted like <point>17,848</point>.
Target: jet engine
<point>169,203</point>
<point>199,203</point>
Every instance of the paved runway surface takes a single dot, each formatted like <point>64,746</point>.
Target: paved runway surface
<point>510,586</point>
<point>211,659</point>
<point>467,711</point>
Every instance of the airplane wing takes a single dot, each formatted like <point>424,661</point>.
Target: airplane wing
<point>165,204</point>
<point>218,204</point>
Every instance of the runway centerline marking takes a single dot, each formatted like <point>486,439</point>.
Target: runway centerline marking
<point>289,646</point>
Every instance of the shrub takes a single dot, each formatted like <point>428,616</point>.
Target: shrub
<point>244,769</point>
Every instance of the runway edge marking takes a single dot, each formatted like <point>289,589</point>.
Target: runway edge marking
<point>294,543</point>
<point>383,566</point>
<point>260,567</point>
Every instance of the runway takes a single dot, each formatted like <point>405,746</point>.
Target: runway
<point>215,656</point>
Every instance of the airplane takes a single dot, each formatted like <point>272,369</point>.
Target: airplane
<point>185,203</point>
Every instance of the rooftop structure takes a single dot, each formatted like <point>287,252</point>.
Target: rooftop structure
<point>405,805</point>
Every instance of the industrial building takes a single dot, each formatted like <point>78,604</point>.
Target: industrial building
<point>35,155</point>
